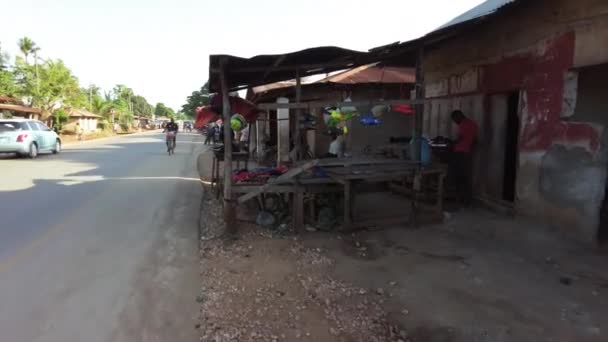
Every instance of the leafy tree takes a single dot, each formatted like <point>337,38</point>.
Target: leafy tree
<point>141,106</point>
<point>162,110</point>
<point>4,59</point>
<point>7,83</point>
<point>7,79</point>
<point>56,86</point>
<point>197,99</point>
<point>60,117</point>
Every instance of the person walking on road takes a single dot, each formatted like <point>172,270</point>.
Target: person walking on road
<point>79,131</point>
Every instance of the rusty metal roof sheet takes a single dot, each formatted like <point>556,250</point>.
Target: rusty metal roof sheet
<point>486,8</point>
<point>459,25</point>
<point>370,73</point>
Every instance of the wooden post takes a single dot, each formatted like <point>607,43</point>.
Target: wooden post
<point>348,202</point>
<point>229,207</point>
<point>297,138</point>
<point>419,107</point>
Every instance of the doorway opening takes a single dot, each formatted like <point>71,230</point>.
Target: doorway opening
<point>511,148</point>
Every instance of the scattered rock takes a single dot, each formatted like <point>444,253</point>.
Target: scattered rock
<point>380,291</point>
<point>393,283</point>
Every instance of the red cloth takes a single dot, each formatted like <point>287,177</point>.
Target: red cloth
<point>205,115</point>
<point>467,133</point>
<point>405,109</point>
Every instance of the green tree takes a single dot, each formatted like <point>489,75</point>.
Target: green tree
<point>60,117</point>
<point>162,110</point>
<point>197,99</point>
<point>4,59</point>
<point>141,106</point>
<point>55,87</point>
<point>7,79</point>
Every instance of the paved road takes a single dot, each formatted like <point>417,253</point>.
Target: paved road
<point>99,243</point>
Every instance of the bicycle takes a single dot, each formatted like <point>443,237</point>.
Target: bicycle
<point>170,141</point>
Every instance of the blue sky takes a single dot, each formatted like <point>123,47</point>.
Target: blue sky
<point>161,48</point>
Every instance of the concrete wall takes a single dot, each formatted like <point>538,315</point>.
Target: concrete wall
<point>87,124</point>
<point>532,49</point>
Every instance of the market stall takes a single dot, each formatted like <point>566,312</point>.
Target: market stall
<point>298,179</point>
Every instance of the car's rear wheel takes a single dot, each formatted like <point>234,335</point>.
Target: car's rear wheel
<point>33,152</point>
<point>57,148</point>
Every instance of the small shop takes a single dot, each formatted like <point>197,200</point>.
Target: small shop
<point>307,188</point>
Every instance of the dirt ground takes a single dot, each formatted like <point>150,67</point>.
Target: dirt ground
<point>478,276</point>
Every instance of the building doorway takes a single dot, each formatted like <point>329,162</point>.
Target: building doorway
<point>511,148</point>
<point>500,144</point>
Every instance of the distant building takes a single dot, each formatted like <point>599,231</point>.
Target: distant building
<point>88,121</point>
<point>10,107</point>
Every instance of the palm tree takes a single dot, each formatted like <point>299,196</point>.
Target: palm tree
<point>27,47</point>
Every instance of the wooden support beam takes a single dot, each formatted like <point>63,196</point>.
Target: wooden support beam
<point>419,107</point>
<point>296,138</point>
<point>229,206</point>
<point>306,68</point>
<point>323,104</point>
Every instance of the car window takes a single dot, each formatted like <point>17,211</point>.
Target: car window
<point>34,125</point>
<point>25,126</point>
<point>43,126</point>
<point>9,126</point>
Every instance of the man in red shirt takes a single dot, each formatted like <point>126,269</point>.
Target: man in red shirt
<point>462,162</point>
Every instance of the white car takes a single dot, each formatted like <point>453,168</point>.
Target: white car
<point>27,137</point>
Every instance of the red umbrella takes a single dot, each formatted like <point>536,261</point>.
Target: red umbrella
<point>205,115</point>
<point>237,106</point>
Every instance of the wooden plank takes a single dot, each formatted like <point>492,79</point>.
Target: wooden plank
<point>282,178</point>
<point>323,104</point>
<point>364,161</point>
<point>229,208</point>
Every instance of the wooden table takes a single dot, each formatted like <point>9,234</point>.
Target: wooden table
<point>215,166</point>
<point>385,171</point>
<point>295,187</point>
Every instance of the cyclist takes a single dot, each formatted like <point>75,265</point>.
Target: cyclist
<point>172,127</point>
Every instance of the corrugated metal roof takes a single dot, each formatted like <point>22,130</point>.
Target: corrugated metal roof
<point>483,9</point>
<point>263,69</point>
<point>81,113</point>
<point>372,73</point>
